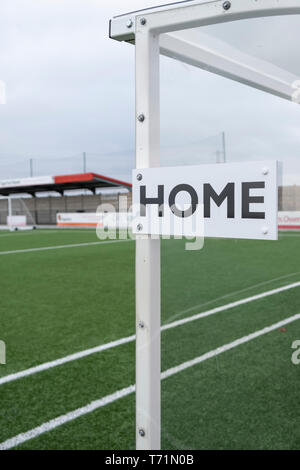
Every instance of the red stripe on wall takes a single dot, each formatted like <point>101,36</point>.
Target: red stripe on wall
<point>77,224</point>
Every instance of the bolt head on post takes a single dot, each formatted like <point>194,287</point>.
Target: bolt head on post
<point>227,5</point>
<point>142,432</point>
<point>143,21</point>
<point>141,117</point>
<point>129,24</point>
<point>139,177</point>
<point>139,227</point>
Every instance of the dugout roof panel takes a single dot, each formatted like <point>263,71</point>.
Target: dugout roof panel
<point>59,184</point>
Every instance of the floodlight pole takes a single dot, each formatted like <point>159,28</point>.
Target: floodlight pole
<point>84,162</point>
<point>224,146</point>
<point>147,249</point>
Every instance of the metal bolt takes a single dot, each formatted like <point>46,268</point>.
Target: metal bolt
<point>227,5</point>
<point>265,171</point>
<point>265,230</point>
<point>141,324</point>
<point>139,227</point>
<point>143,21</point>
<point>139,177</point>
<point>129,24</point>
<point>142,432</point>
<point>141,118</point>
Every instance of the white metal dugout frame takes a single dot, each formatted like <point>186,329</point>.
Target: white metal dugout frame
<point>170,30</point>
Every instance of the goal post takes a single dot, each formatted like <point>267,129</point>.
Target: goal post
<point>19,216</point>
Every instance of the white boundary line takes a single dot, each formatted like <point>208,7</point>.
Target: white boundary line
<point>65,360</point>
<point>213,311</point>
<point>289,234</point>
<point>59,247</point>
<point>54,423</point>
<point>94,405</point>
<point>129,339</point>
<point>21,234</point>
<point>240,291</point>
<point>227,347</point>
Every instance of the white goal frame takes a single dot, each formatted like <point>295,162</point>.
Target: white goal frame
<point>169,30</point>
<point>10,226</point>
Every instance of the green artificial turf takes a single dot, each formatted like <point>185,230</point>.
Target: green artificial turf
<point>57,302</point>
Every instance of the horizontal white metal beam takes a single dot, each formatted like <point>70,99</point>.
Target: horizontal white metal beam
<point>208,53</point>
<point>193,14</point>
<point>180,39</point>
<point>122,27</point>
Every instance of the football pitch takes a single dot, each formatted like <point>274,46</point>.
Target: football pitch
<point>230,314</point>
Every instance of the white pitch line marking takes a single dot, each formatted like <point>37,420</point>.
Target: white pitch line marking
<point>22,234</point>
<point>289,234</point>
<point>65,360</point>
<point>229,306</point>
<point>129,339</point>
<point>54,423</point>
<point>59,247</point>
<point>227,347</point>
<point>95,405</point>
<point>240,291</point>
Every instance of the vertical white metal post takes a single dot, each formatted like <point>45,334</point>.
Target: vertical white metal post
<point>147,250</point>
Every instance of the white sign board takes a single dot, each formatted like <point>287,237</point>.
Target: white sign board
<point>232,200</point>
<point>109,220</point>
<point>289,220</point>
<point>16,220</point>
<point>78,219</point>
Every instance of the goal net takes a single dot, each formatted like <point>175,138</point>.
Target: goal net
<point>15,215</point>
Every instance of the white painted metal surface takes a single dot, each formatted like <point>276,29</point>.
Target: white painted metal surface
<point>187,15</point>
<point>200,50</point>
<point>147,250</point>
<point>237,200</point>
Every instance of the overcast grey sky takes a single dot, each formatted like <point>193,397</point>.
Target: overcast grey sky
<point>70,89</point>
